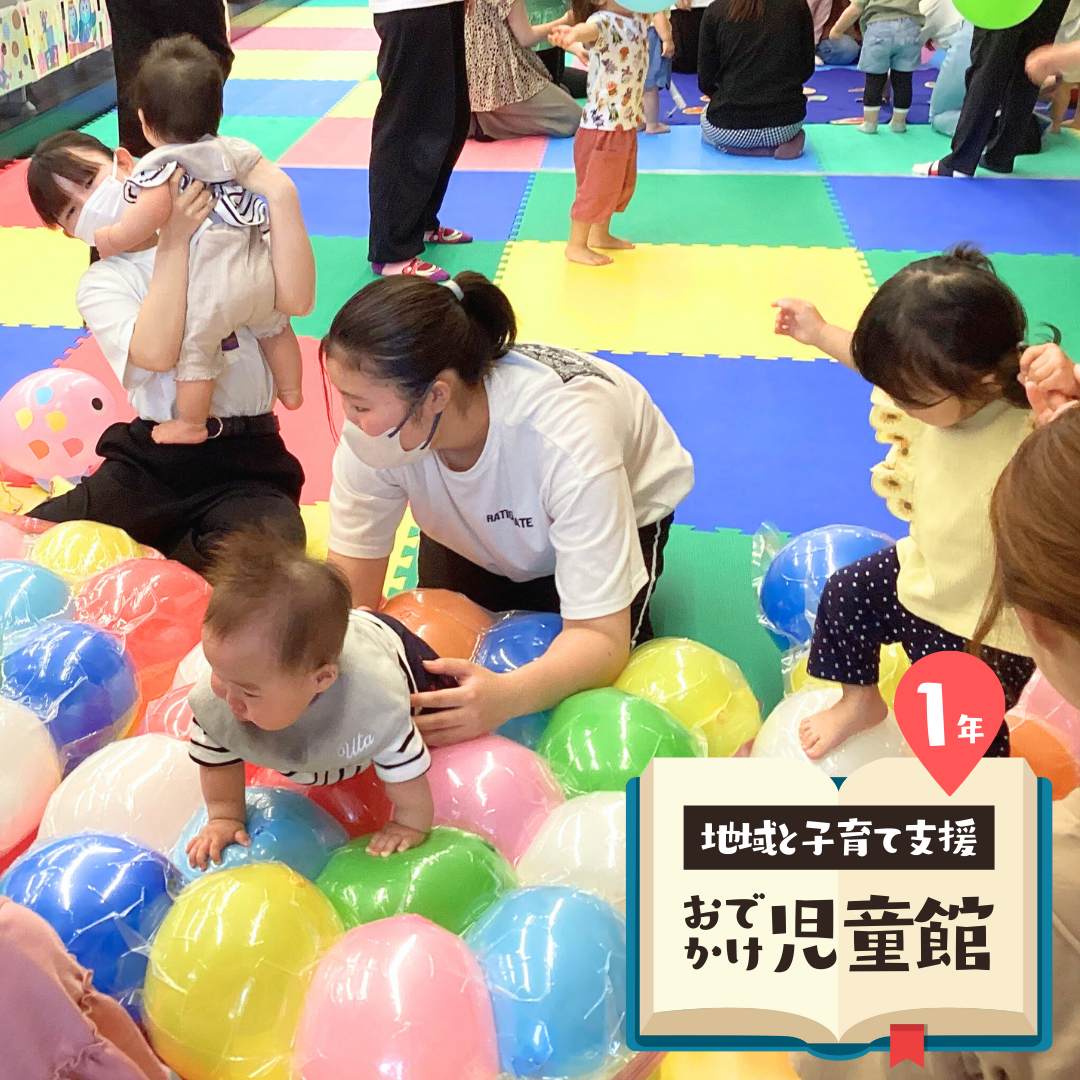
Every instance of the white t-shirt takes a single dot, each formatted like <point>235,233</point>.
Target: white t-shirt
<point>380,7</point>
<point>109,296</point>
<point>577,459</point>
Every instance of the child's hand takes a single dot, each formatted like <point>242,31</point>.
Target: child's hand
<point>668,47</point>
<point>1051,380</point>
<point>562,37</point>
<point>836,35</point>
<point>1042,64</point>
<point>683,5</point>
<point>216,836</point>
<point>394,837</point>
<point>580,52</point>
<point>798,319</point>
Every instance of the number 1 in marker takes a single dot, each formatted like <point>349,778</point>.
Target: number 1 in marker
<point>935,713</point>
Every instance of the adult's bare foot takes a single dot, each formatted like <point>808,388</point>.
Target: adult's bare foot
<point>860,708</point>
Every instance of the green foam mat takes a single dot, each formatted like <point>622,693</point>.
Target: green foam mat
<point>273,135</point>
<point>842,149</point>
<point>106,128</point>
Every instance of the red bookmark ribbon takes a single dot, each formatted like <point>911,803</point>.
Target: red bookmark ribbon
<point>906,1041</point>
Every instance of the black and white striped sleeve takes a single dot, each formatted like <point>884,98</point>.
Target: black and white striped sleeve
<point>405,759</point>
<point>204,750</point>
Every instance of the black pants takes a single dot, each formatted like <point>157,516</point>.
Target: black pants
<point>440,568</point>
<point>572,80</point>
<point>136,25</point>
<point>182,500</point>
<point>860,611</point>
<point>997,80</point>
<point>421,123</point>
<point>874,94</point>
<point>686,32</point>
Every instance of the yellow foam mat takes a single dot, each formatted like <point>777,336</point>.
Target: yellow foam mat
<point>667,298</point>
<point>39,270</point>
<point>303,64</point>
<point>359,104</point>
<point>343,17</point>
<point>698,1065</point>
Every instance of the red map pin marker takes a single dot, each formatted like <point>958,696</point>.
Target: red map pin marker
<point>950,707</point>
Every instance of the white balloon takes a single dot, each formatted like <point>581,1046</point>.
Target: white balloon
<point>191,669</point>
<point>779,735</point>
<point>29,773</point>
<point>146,788</point>
<point>582,843</point>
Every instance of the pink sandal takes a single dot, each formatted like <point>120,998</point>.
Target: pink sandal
<point>444,235</point>
<point>413,268</point>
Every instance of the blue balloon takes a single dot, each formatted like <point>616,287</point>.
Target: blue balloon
<point>29,595</point>
<point>105,896</point>
<point>791,588</point>
<point>79,680</point>
<point>512,642</point>
<point>555,962</point>
<point>284,826</point>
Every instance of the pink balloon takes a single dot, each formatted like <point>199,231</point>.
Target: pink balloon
<point>13,544</point>
<point>400,998</point>
<point>1042,700</point>
<point>50,423</point>
<point>169,715</point>
<point>494,787</point>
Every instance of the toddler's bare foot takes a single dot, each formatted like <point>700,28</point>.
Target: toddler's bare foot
<point>601,238</point>
<point>860,708</point>
<point>179,432</point>
<point>291,399</point>
<point>656,129</point>
<point>586,256</point>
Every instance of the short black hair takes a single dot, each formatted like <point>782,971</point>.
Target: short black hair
<point>179,88</point>
<point>69,155</point>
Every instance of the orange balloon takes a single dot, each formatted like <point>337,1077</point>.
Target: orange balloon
<point>449,622</point>
<point>1045,750</point>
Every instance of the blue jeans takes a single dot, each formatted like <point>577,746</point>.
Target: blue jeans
<point>844,51</point>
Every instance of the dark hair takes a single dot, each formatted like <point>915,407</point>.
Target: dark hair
<point>179,88</point>
<point>941,325</point>
<point>65,155</point>
<point>746,10</point>
<point>259,577</point>
<point>580,10</point>
<point>406,330</point>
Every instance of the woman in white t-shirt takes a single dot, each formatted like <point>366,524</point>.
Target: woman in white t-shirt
<point>542,479</point>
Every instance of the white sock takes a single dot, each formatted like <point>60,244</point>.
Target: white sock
<point>899,120</point>
<point>870,120</point>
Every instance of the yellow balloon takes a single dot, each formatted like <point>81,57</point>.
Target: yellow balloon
<point>77,550</point>
<point>738,1065</point>
<point>894,663</point>
<point>229,969</point>
<point>699,687</point>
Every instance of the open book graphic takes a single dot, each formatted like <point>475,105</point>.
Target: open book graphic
<point>768,906</point>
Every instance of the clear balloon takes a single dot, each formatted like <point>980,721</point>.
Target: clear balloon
<point>447,621</point>
<point>229,969</point>
<point>452,878</point>
<point>360,804</point>
<point>29,596</point>
<point>145,787</point>
<point>893,665</point>
<point>169,715</point>
<point>29,775</point>
<point>191,669</point>
<point>14,544</point>
<point>582,844</point>
<point>77,550</point>
<point>105,896</point>
<point>1042,700</point>
<point>699,687</point>
<point>1045,749</point>
<point>555,963</point>
<point>402,998</point>
<point>283,826</point>
<point>79,680</point>
<point>779,736</point>
<point>493,787</point>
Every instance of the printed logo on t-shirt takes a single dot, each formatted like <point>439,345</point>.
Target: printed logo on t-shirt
<point>230,343</point>
<point>508,515</point>
<point>566,363</point>
<point>356,746</point>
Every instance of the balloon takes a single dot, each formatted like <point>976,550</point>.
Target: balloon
<point>155,607</point>
<point>1045,749</point>
<point>77,550</point>
<point>1042,700</point>
<point>996,14</point>
<point>555,963</point>
<point>229,969</point>
<point>29,775</point>
<point>452,878</point>
<point>397,998</point>
<point>13,543</point>
<point>600,739</point>
<point>170,715</point>
<point>191,669</point>
<point>50,423</point>
<point>360,803</point>
<point>582,844</point>
<point>105,896</point>
<point>284,827</point>
<point>29,596</point>
<point>645,7</point>
<point>779,736</point>
<point>699,687</point>
<point>79,680</point>
<point>145,787</point>
<point>447,621</point>
<point>894,663</point>
<point>792,585</point>
<point>493,787</point>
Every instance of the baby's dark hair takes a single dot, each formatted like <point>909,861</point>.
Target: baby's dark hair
<point>179,88</point>
<point>263,582</point>
<point>941,327</point>
<point>70,156</point>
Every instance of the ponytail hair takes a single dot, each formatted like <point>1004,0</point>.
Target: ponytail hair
<point>407,331</point>
<point>746,10</point>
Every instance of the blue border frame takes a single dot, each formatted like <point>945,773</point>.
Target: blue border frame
<point>838,1051</point>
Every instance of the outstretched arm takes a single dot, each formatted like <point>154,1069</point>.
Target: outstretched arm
<point>583,34</point>
<point>525,34</point>
<point>846,21</point>
<point>799,319</point>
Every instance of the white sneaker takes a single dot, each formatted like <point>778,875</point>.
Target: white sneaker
<point>930,168</point>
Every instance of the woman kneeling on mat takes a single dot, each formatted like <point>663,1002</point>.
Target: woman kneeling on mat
<point>542,479</point>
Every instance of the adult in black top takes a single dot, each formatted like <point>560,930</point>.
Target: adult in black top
<point>754,57</point>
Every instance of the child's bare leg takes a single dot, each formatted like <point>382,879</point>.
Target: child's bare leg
<point>1075,121</point>
<point>652,112</point>
<point>578,250</point>
<point>600,237</point>
<point>860,708</point>
<point>1059,102</point>
<point>282,354</point>
<point>193,408</point>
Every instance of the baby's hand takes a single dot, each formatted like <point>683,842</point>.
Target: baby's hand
<point>216,836</point>
<point>1051,380</point>
<point>394,837</point>
<point>798,319</point>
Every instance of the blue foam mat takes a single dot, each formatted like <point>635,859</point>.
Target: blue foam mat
<point>26,349</point>
<point>284,97</point>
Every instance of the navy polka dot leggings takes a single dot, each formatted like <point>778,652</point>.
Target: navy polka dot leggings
<point>860,611</point>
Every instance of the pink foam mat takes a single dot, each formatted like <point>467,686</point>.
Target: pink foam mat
<point>310,38</point>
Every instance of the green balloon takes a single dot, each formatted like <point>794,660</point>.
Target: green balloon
<point>452,878</point>
<point>598,740</point>
<point>996,14</point>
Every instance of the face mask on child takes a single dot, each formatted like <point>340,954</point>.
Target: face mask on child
<point>385,451</point>
<point>104,206</point>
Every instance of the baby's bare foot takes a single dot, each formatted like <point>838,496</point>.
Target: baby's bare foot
<point>179,432</point>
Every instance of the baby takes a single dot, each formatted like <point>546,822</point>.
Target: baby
<point>178,92</point>
<point>301,684</point>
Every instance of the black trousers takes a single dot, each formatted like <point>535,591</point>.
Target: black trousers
<point>421,123</point>
<point>182,500</point>
<point>997,80</point>
<point>137,24</point>
<point>686,32</point>
<point>440,568</point>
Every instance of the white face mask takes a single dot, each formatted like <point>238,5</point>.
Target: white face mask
<point>385,451</point>
<point>104,206</point>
